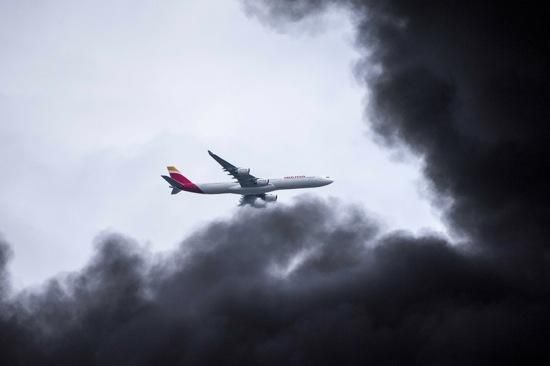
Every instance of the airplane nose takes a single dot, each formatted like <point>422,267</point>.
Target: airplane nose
<point>329,181</point>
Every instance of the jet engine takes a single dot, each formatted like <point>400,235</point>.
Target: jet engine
<point>262,182</point>
<point>243,171</point>
<point>270,197</point>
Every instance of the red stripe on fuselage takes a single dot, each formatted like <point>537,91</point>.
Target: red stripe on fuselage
<point>186,183</point>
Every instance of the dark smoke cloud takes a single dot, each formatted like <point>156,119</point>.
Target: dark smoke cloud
<point>224,298</point>
<point>463,85</point>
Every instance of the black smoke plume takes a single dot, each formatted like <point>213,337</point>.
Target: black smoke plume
<point>236,294</point>
<point>463,85</point>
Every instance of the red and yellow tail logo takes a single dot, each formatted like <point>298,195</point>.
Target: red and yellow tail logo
<point>178,182</point>
<point>177,176</point>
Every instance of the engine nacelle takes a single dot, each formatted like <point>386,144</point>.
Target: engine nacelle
<point>262,182</point>
<point>270,197</point>
<point>243,171</point>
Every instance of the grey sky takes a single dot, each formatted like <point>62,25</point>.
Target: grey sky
<point>96,99</point>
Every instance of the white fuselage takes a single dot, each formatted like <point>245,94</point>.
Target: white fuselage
<point>290,182</point>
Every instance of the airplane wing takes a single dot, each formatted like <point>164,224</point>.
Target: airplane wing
<point>242,176</point>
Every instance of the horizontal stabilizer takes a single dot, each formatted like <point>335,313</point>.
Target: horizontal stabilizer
<point>175,190</point>
<point>173,183</point>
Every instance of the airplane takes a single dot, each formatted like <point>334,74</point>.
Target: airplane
<point>248,186</point>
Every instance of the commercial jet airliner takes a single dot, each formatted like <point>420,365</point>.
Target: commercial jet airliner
<point>248,186</point>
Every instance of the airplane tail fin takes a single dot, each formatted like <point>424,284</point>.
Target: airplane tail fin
<point>177,176</point>
<point>178,182</point>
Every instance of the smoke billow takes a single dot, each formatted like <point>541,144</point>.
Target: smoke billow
<point>308,283</point>
<point>463,85</point>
